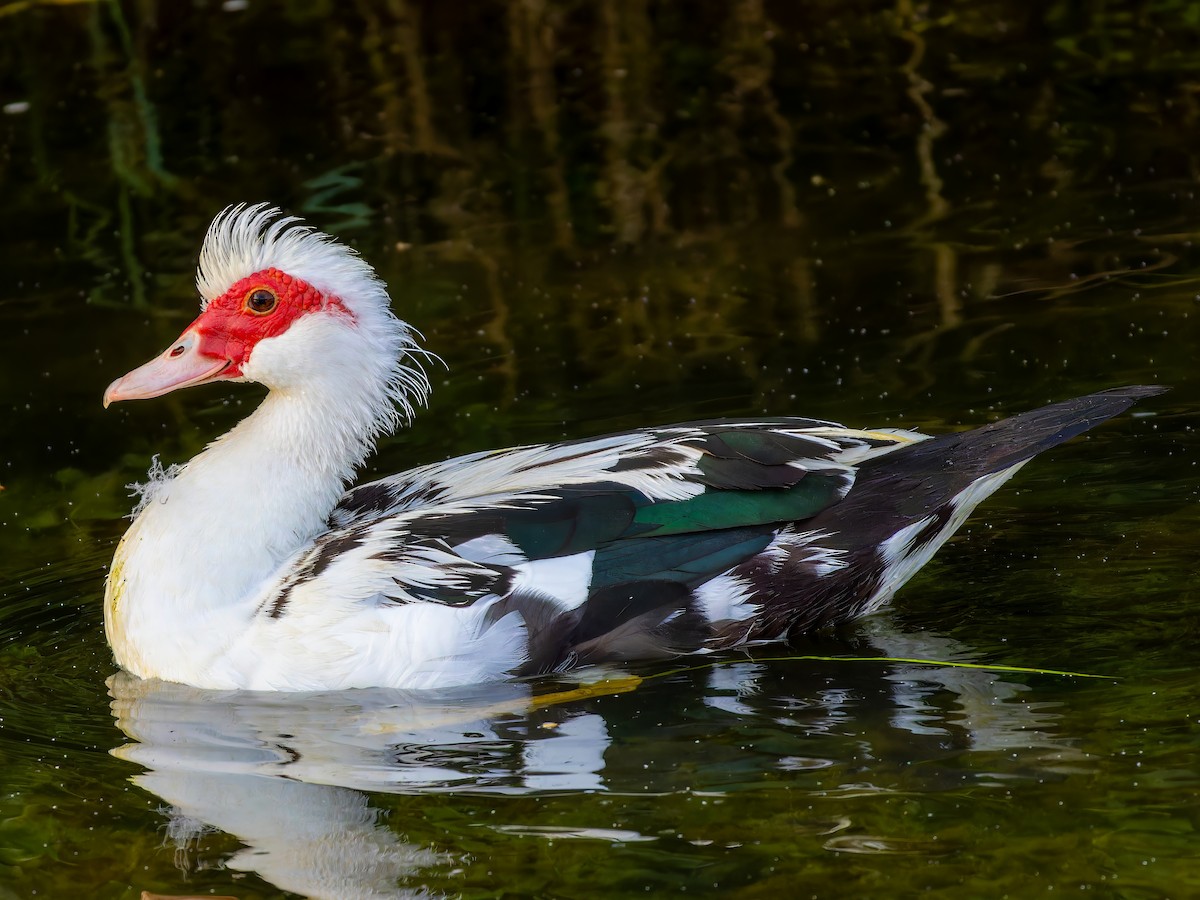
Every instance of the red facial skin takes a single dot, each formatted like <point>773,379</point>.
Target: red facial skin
<point>229,328</point>
<point>217,346</point>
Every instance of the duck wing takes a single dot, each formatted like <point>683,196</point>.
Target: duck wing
<point>606,548</point>
<point>685,539</point>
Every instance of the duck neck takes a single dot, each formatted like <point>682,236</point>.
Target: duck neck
<point>209,535</point>
<point>228,518</point>
<point>264,489</point>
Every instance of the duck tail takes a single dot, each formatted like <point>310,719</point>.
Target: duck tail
<point>906,503</point>
<point>1017,439</point>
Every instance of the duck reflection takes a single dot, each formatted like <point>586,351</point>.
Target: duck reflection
<point>290,775</point>
<point>880,718</point>
<point>494,737</point>
<point>287,773</point>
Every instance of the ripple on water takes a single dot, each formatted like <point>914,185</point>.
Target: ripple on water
<point>53,661</point>
<point>878,845</point>
<point>552,832</point>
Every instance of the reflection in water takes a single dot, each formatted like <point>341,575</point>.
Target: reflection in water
<point>313,839</point>
<point>979,709</point>
<point>990,710</point>
<point>286,773</point>
<point>290,774</point>
<point>481,738</point>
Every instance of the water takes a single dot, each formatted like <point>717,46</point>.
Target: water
<point>603,216</point>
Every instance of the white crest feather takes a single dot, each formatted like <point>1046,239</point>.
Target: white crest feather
<point>245,239</point>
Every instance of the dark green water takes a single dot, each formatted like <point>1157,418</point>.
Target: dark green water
<point>605,215</point>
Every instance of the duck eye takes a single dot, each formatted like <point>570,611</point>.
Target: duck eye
<point>260,301</point>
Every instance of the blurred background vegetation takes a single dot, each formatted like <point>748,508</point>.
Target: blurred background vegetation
<point>859,210</point>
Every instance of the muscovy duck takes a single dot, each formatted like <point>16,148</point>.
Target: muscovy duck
<point>252,566</point>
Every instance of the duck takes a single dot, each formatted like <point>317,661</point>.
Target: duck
<point>256,566</point>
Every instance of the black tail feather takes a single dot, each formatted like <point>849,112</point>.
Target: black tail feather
<point>898,488</point>
<point>995,447</point>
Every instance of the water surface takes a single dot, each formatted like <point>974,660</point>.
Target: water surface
<point>605,216</point>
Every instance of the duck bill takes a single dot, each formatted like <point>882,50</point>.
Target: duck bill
<point>181,365</point>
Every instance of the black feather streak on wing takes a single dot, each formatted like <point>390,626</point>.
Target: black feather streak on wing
<point>474,581</point>
<point>458,528</point>
<point>613,605</point>
<point>312,564</point>
<point>646,620</point>
<point>547,628</point>
<point>753,459</point>
<point>749,474</point>
<point>365,501</point>
<point>658,456</point>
